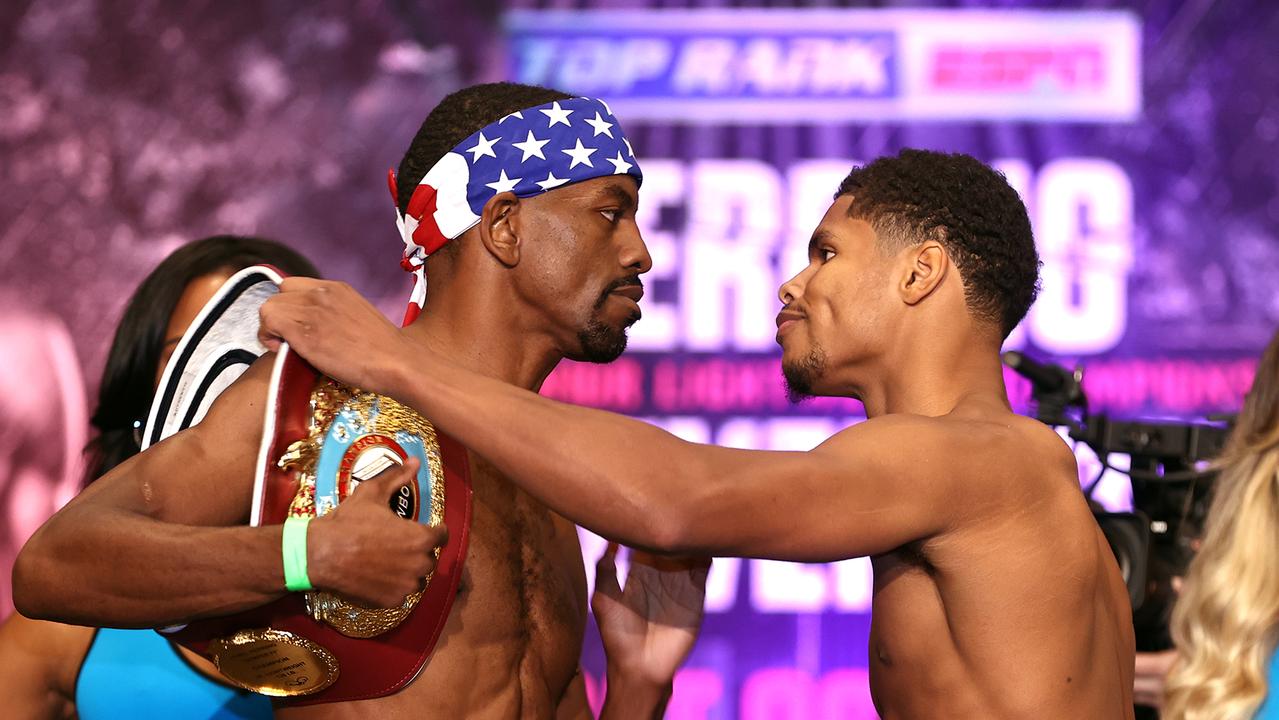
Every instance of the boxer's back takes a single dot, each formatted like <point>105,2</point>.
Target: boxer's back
<point>1019,613</point>
<point>513,640</point>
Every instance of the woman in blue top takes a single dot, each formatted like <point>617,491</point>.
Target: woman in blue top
<point>50,670</point>
<point>1226,622</point>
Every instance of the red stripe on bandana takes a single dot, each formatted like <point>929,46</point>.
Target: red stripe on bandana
<point>422,208</point>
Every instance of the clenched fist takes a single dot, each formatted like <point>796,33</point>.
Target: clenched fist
<point>364,552</point>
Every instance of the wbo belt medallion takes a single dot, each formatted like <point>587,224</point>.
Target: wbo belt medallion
<point>355,436</point>
<point>320,441</point>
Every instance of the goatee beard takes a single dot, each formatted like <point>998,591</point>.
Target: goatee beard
<point>601,343</point>
<point>801,376</point>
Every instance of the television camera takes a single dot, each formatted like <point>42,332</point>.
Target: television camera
<point>1170,479</point>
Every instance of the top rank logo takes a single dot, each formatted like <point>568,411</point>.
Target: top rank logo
<point>790,65</point>
<point>714,66</point>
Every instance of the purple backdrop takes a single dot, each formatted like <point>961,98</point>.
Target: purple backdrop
<point>1142,136</point>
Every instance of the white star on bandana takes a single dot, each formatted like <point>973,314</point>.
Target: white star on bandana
<point>620,166</point>
<point>503,184</point>
<point>482,148</point>
<point>551,182</point>
<point>581,155</point>
<point>532,147</point>
<point>557,115</point>
<point>601,126</point>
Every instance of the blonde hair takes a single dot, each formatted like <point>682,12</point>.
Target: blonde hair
<point>1226,623</point>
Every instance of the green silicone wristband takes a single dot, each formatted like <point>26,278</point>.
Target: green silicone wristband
<point>293,545</point>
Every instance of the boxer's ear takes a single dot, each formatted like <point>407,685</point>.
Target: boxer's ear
<point>499,228</point>
<point>923,271</point>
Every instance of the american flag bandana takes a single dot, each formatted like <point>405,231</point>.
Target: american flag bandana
<point>528,153</point>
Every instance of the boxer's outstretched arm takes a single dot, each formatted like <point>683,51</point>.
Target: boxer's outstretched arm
<point>869,489</point>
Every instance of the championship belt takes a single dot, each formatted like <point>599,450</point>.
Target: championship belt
<point>321,439</point>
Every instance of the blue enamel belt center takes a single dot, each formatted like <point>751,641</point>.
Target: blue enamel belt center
<point>354,451</point>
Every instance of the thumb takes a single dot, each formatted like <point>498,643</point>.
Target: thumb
<point>268,319</point>
<point>380,487</point>
<point>606,585</point>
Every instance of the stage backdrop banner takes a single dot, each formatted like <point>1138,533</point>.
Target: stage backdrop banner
<point>1141,136</point>
<point>745,122</point>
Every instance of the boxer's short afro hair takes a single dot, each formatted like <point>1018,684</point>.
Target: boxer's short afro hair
<point>970,209</point>
<point>457,117</point>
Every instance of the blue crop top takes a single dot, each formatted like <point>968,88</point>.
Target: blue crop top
<point>1270,708</point>
<point>139,674</point>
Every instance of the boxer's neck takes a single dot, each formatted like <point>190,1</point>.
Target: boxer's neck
<point>486,343</point>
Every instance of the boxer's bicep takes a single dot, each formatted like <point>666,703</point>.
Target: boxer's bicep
<point>200,476</point>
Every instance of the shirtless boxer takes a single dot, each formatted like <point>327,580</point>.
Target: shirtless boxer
<point>995,593</point>
<point>545,265</point>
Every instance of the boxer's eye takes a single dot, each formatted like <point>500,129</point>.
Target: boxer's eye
<point>826,254</point>
<point>611,215</point>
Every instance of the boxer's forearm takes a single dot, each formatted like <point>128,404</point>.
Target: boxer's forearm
<point>627,699</point>
<point>622,478</point>
<point>105,567</point>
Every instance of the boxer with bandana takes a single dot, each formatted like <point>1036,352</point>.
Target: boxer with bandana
<point>517,204</point>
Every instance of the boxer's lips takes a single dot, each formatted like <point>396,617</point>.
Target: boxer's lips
<point>786,319</point>
<point>630,295</point>
<point>631,292</point>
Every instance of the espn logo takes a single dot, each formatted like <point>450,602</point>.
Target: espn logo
<point>1020,69</point>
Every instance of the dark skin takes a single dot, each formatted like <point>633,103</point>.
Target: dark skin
<point>995,596</point>
<point>151,543</point>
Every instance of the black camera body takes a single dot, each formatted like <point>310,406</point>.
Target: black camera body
<point>1170,498</point>
<point>1170,491</point>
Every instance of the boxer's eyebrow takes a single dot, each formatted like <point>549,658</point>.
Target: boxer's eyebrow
<point>617,194</point>
<point>820,236</point>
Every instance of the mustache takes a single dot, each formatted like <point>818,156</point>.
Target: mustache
<point>629,281</point>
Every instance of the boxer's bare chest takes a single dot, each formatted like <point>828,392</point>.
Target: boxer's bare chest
<point>513,639</point>
<point>521,606</point>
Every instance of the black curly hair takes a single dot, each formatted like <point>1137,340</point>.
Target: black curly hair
<point>457,117</point>
<point>968,207</point>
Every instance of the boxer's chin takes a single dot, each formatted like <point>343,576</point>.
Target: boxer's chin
<point>601,342</point>
<point>802,375</point>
